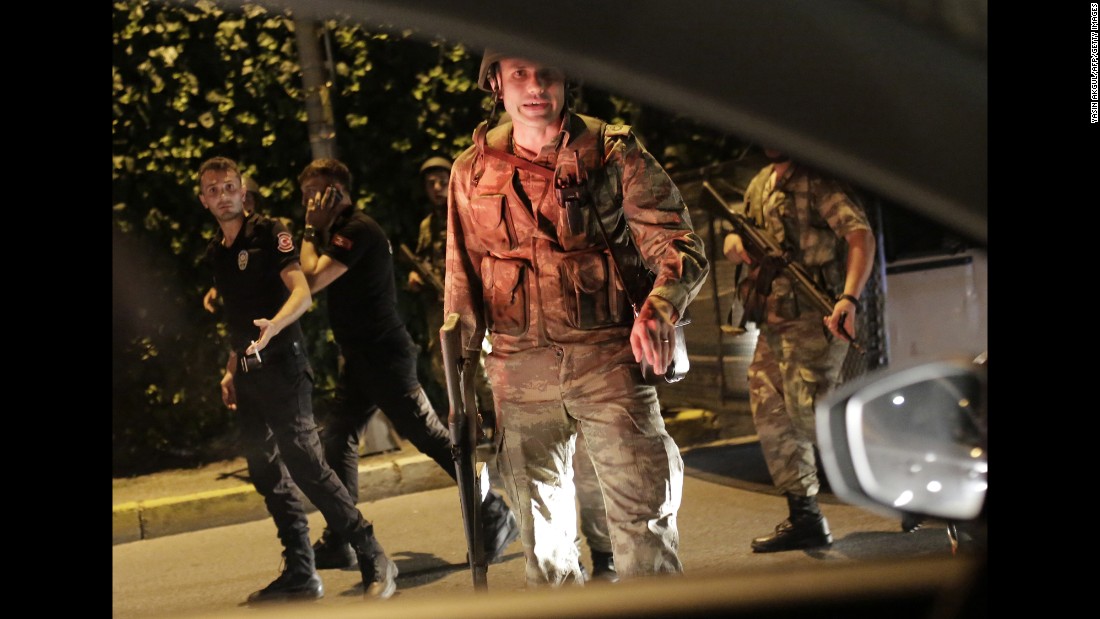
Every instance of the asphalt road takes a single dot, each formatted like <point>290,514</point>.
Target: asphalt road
<point>728,500</point>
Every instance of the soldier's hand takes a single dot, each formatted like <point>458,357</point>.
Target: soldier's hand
<point>653,335</point>
<point>415,282</point>
<point>844,315</point>
<point>734,249</point>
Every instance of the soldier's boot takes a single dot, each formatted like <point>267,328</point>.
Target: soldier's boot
<point>499,526</point>
<point>333,552</point>
<point>806,528</point>
<point>298,580</point>
<point>603,566</point>
<point>378,571</point>
<point>911,522</point>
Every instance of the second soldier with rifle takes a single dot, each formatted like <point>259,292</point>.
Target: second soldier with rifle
<point>825,233</point>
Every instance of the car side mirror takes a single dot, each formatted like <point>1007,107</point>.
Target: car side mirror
<point>909,440</point>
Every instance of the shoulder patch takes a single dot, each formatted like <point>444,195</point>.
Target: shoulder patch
<point>617,130</point>
<point>286,244</point>
<point>342,242</point>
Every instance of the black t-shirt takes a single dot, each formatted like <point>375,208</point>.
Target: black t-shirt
<point>362,303</point>
<point>247,278</point>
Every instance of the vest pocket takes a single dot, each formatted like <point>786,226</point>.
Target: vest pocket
<point>592,300</point>
<point>505,290</point>
<point>487,213</point>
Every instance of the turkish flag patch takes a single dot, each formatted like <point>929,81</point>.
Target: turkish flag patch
<point>286,244</point>
<point>342,242</point>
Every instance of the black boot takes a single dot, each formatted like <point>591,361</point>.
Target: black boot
<point>378,571</point>
<point>333,552</point>
<point>806,528</point>
<point>911,522</point>
<point>499,526</point>
<point>603,566</point>
<point>299,579</point>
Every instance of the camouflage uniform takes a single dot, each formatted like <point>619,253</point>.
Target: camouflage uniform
<point>795,363</point>
<point>431,247</point>
<point>593,514</point>
<point>560,325</point>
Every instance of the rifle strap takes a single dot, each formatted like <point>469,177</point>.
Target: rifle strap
<point>615,261</point>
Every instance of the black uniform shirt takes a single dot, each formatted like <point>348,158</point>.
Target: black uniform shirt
<point>247,278</point>
<point>362,303</point>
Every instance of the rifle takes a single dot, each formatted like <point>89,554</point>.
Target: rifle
<point>464,423</point>
<point>772,258</point>
<point>421,268</point>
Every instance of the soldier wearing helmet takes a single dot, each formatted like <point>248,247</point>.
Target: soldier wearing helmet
<point>526,259</point>
<point>796,363</point>
<point>435,172</point>
<point>431,246</point>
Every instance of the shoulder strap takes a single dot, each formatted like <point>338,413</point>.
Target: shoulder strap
<point>519,162</point>
<point>636,277</point>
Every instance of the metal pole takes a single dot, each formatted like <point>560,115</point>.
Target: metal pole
<point>322,130</point>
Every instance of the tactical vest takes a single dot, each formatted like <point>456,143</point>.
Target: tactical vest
<point>593,295</point>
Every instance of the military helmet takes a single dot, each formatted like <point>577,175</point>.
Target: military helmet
<point>436,162</point>
<point>491,57</point>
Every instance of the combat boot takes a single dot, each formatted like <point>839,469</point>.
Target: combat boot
<point>378,571</point>
<point>603,566</point>
<point>298,580</point>
<point>806,528</point>
<point>498,525</point>
<point>333,552</point>
<point>911,522</point>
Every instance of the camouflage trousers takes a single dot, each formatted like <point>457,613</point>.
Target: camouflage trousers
<point>794,365</point>
<point>593,516</point>
<point>543,396</point>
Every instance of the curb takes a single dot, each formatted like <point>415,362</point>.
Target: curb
<point>141,520</point>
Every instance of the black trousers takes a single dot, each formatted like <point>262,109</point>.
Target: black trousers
<point>283,448</point>
<point>382,375</point>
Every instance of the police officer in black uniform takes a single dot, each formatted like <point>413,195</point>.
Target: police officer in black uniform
<point>347,252</point>
<point>269,382</point>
